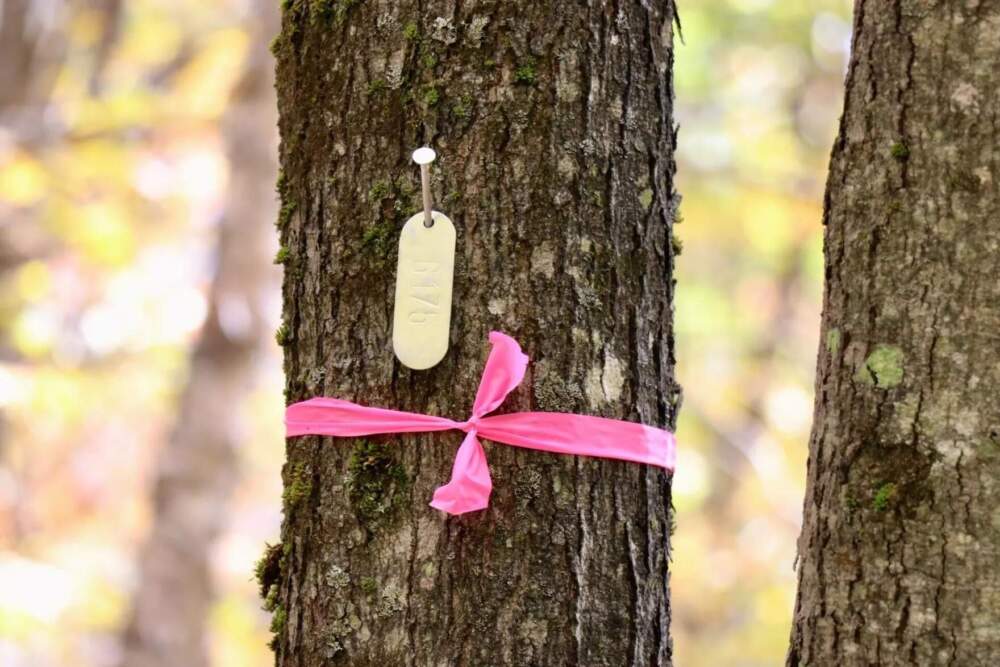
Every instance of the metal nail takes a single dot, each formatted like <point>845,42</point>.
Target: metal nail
<point>424,156</point>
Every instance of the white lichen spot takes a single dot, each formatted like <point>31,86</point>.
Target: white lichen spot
<point>586,245</point>
<point>592,387</point>
<point>948,452</point>
<point>543,260</point>
<point>389,604</point>
<point>394,69</point>
<point>566,166</point>
<point>613,378</point>
<point>984,175</point>
<point>428,574</point>
<point>966,97</point>
<point>443,30</point>
<point>616,109</point>
<point>517,168</point>
<point>967,422</point>
<point>906,412</point>
<point>567,75</point>
<point>497,306</point>
<point>386,23</point>
<point>535,631</point>
<point>475,30</point>
<point>567,91</point>
<point>337,577</point>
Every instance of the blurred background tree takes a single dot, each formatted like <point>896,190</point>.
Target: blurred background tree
<point>196,472</point>
<point>113,182</point>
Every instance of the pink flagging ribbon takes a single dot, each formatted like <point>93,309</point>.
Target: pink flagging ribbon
<point>470,485</point>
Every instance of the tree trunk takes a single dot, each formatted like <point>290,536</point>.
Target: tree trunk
<point>899,550</point>
<point>553,122</point>
<point>32,49</point>
<point>199,468</point>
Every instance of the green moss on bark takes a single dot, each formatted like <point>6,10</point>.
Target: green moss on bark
<point>833,341</point>
<point>883,368</point>
<point>431,96</point>
<point>283,336</point>
<point>298,487</point>
<point>376,481</point>
<point>285,214</point>
<point>325,11</point>
<point>884,496</point>
<point>526,74</point>
<point>267,570</point>
<point>369,585</point>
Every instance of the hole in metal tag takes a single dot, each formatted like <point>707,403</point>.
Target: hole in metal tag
<point>422,314</point>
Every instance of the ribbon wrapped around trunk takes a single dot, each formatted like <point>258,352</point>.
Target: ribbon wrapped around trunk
<point>470,485</point>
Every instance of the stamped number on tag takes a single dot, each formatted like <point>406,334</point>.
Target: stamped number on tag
<point>422,315</point>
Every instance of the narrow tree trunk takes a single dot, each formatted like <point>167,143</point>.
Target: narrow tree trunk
<point>32,48</point>
<point>553,121</point>
<point>900,549</point>
<point>198,469</point>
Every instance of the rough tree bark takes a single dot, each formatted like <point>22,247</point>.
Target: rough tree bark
<point>199,468</point>
<point>899,550</point>
<point>553,122</point>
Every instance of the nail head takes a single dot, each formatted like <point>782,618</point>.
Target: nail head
<point>424,155</point>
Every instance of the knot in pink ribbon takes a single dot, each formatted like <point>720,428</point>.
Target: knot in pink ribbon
<point>470,424</point>
<point>470,485</point>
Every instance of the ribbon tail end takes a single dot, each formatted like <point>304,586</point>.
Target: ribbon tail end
<point>457,509</point>
<point>470,486</point>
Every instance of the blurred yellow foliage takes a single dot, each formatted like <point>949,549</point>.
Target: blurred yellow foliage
<point>758,96</point>
<point>33,281</point>
<point>23,181</point>
<point>203,85</point>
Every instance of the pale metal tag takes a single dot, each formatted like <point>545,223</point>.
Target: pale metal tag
<point>422,315</point>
